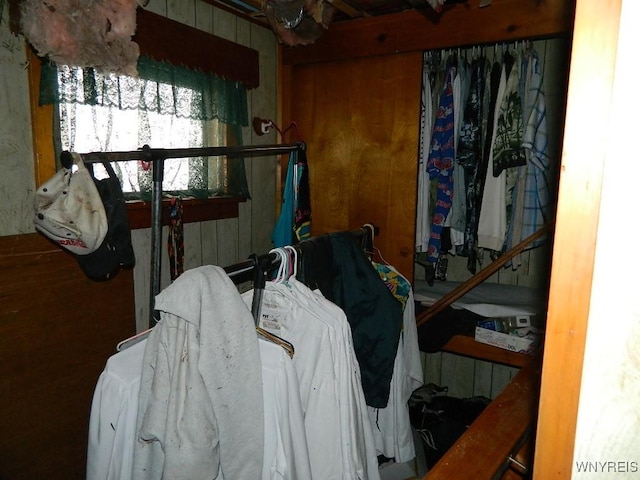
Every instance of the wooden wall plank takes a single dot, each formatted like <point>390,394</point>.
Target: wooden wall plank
<point>161,39</point>
<point>209,232</point>
<point>264,169</point>
<point>360,120</point>
<point>458,375</point>
<point>57,329</point>
<point>482,375</point>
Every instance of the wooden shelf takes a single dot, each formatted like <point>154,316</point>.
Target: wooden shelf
<point>467,346</point>
<point>484,449</point>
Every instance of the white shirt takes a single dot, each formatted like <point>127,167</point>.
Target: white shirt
<point>492,223</point>
<point>357,432</point>
<point>112,422</point>
<point>319,359</point>
<point>286,455</point>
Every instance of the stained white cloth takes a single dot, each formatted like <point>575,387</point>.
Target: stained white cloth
<point>392,424</point>
<point>201,405</point>
<point>286,455</point>
<point>112,421</point>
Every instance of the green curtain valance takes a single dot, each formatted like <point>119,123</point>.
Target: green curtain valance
<point>160,87</point>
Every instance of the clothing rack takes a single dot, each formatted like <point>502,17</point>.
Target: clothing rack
<point>257,267</point>
<point>156,157</point>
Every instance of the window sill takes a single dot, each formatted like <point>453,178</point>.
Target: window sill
<point>193,211</point>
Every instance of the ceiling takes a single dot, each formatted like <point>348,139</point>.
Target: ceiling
<point>346,10</point>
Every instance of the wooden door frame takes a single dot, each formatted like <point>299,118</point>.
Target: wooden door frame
<point>585,150</point>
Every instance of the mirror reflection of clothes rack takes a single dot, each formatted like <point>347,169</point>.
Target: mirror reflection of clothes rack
<point>156,157</point>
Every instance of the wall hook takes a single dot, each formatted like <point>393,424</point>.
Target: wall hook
<point>261,125</point>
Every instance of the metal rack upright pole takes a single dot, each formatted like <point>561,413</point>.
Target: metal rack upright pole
<point>156,235</point>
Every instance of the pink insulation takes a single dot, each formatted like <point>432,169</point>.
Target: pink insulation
<point>83,33</point>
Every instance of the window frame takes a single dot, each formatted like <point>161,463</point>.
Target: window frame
<point>241,65</point>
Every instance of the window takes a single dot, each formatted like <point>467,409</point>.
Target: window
<point>202,113</point>
<point>166,107</point>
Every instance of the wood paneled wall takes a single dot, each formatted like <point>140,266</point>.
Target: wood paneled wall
<point>360,120</point>
<point>57,328</point>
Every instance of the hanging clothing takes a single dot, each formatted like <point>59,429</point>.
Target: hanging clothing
<point>391,424</point>
<point>200,404</point>
<point>536,143</point>
<point>397,284</point>
<point>112,420</point>
<point>112,424</point>
<point>283,231</point>
<point>440,164</point>
<point>469,157</point>
<point>492,223</point>
<point>456,218</point>
<point>498,182</point>
<point>294,222</point>
<point>338,431</point>
<point>508,149</point>
<point>175,239</point>
<point>302,211</point>
<point>286,454</point>
<point>374,314</point>
<point>423,219</point>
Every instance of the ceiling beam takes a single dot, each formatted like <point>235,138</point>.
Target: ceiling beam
<point>414,30</point>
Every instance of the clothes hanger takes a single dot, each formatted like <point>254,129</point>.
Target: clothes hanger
<point>262,126</point>
<point>292,261</point>
<point>131,341</point>
<point>281,272</point>
<point>371,244</point>
<point>288,346</point>
<point>255,307</point>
